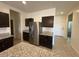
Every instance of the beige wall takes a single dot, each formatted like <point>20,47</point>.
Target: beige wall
<point>42,13</point>
<point>3,8</point>
<point>75,31</point>
<point>59,24</point>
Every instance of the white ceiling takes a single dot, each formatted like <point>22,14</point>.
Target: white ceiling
<point>33,6</point>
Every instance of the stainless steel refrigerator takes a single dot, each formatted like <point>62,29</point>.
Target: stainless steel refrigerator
<point>34,30</point>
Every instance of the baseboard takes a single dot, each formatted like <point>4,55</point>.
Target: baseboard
<point>75,50</point>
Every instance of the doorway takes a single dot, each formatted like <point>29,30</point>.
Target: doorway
<point>69,27</point>
<point>15,26</point>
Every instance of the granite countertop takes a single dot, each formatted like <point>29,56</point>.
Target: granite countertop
<point>47,33</point>
<point>42,33</point>
<point>5,35</point>
<point>27,31</point>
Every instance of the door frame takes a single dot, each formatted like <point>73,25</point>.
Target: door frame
<point>69,38</point>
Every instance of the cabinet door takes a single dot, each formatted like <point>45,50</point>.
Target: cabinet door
<point>26,36</point>
<point>48,42</point>
<point>1,41</point>
<point>47,21</point>
<point>45,41</point>
<point>9,42</point>
<point>6,43</point>
<point>28,20</point>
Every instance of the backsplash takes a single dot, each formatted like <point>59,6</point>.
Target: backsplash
<point>5,30</point>
<point>44,29</point>
<point>47,29</point>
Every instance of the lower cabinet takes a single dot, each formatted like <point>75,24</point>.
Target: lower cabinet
<point>26,36</point>
<point>6,43</point>
<point>45,41</point>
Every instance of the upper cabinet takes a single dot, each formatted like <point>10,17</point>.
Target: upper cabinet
<point>4,19</point>
<point>28,20</point>
<point>47,21</point>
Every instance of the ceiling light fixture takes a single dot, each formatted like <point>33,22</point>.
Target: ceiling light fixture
<point>77,11</point>
<point>61,13</point>
<point>24,2</point>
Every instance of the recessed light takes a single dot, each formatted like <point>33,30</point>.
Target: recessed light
<point>24,2</point>
<point>77,11</point>
<point>61,12</point>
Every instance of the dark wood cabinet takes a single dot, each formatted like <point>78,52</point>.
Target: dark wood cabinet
<point>45,41</point>
<point>6,43</point>
<point>26,36</point>
<point>47,21</point>
<point>28,20</point>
